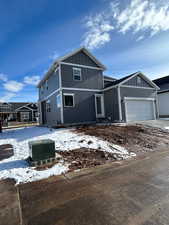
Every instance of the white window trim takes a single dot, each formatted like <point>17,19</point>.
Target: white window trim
<point>137,98</point>
<point>69,94</point>
<point>60,101</point>
<point>102,106</point>
<point>79,69</point>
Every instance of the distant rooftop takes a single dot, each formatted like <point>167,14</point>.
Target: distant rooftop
<point>109,78</point>
<point>161,80</point>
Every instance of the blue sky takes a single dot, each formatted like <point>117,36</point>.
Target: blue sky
<point>125,35</point>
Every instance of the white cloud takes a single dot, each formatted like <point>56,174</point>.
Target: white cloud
<point>140,38</point>
<point>138,16</point>
<point>3,77</point>
<point>13,86</point>
<point>143,15</point>
<point>98,31</point>
<point>54,56</point>
<point>32,80</point>
<point>7,97</point>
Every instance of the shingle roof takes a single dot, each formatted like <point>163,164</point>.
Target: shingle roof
<point>109,78</point>
<point>17,105</point>
<point>122,79</point>
<point>162,80</point>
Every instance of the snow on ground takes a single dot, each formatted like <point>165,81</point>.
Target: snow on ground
<point>65,139</point>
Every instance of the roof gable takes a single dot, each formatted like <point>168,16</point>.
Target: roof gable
<point>123,80</point>
<point>138,81</point>
<point>146,79</point>
<point>87,53</point>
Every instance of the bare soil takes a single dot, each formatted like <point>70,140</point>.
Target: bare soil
<point>135,138</point>
<point>86,158</point>
<point>6,151</point>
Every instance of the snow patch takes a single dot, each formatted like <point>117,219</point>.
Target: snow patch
<point>65,139</point>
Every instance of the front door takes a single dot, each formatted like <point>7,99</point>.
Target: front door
<point>99,105</point>
<point>43,110</point>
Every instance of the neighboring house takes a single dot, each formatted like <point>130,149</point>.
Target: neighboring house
<point>18,111</point>
<point>163,95</point>
<point>75,91</point>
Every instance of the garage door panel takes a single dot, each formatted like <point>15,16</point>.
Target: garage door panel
<point>139,110</point>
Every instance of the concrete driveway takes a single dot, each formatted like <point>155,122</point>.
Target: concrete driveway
<point>164,124</point>
<point>132,192</point>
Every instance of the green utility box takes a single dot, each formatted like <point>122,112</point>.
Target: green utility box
<point>41,150</point>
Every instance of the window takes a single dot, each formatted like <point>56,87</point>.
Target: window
<point>48,109</point>
<point>69,100</point>
<point>41,89</point>
<point>24,116</point>
<point>77,74</point>
<point>58,101</point>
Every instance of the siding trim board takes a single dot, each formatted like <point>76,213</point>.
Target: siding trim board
<point>130,86</point>
<point>83,66</point>
<point>61,94</point>
<point>139,99</point>
<point>71,89</point>
<point>119,103</point>
<point>81,89</point>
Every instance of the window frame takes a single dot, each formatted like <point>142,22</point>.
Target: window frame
<point>59,95</point>
<point>69,94</point>
<point>25,115</point>
<point>77,69</point>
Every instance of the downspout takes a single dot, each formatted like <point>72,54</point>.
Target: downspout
<point>157,105</point>
<point>61,94</point>
<point>119,103</point>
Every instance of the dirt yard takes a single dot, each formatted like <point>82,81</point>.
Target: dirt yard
<point>86,158</point>
<point>6,151</point>
<point>135,138</point>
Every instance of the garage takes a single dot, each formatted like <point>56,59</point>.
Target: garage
<point>139,109</point>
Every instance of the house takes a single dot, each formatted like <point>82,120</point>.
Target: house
<point>18,111</point>
<point>75,91</point>
<point>163,96</point>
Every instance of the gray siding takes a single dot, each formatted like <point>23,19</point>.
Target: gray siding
<point>82,59</point>
<point>53,84</point>
<point>134,82</point>
<point>91,78</point>
<point>135,92</point>
<point>111,104</point>
<point>84,110</point>
<point>54,116</point>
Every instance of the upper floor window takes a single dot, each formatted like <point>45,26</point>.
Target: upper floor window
<point>41,89</point>
<point>69,100</point>
<point>77,74</point>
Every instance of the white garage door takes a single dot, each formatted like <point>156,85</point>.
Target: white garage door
<point>139,109</point>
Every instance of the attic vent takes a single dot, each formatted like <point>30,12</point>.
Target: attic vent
<point>139,80</point>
